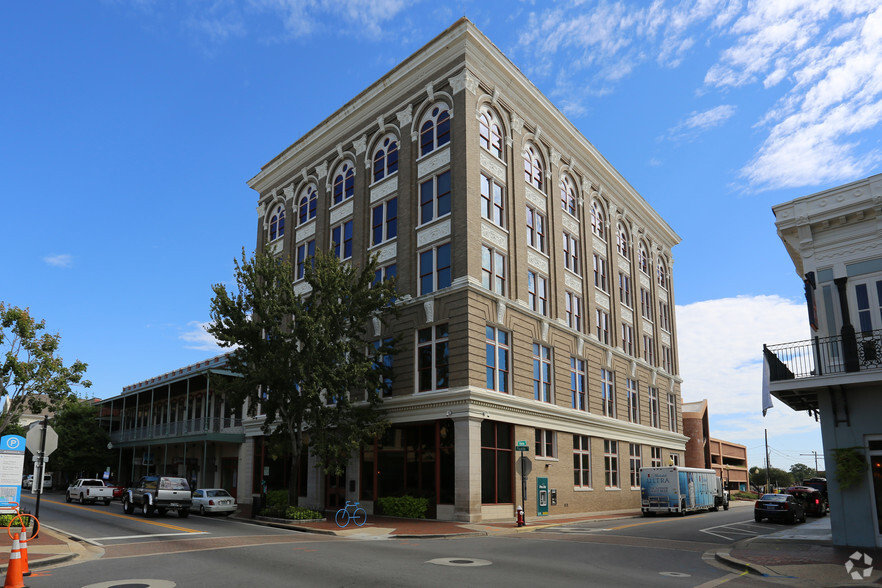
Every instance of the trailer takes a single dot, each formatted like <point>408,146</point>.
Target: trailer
<point>680,490</point>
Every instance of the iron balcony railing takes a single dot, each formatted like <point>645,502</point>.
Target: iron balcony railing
<point>825,355</point>
<point>178,429</point>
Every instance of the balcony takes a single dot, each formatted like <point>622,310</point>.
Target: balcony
<point>208,429</point>
<point>796,368</point>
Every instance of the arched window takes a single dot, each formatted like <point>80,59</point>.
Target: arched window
<point>344,183</point>
<point>491,136</point>
<point>643,258</point>
<point>533,167</point>
<point>277,223</point>
<point>308,202</point>
<point>623,241</point>
<point>435,129</point>
<point>662,270</point>
<point>597,220</point>
<point>386,157</point>
<point>568,195</point>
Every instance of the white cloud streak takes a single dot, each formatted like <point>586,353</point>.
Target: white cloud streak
<point>63,260</point>
<point>698,122</point>
<point>198,338</point>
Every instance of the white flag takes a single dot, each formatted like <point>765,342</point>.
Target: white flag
<point>767,395</point>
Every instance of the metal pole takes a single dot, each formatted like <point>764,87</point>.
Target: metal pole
<point>42,464</point>
<point>524,484</point>
<point>766,431</point>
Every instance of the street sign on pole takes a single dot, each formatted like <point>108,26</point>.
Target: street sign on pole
<point>522,446</point>
<point>33,439</point>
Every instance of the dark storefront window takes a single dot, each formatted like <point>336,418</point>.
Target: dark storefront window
<point>496,463</point>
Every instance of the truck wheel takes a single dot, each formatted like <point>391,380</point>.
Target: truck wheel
<point>67,497</point>
<point>147,509</point>
<point>128,507</point>
<point>725,506</point>
<point>183,513</point>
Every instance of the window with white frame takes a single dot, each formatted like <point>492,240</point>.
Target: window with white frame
<point>384,221</point>
<point>546,443</point>
<point>635,463</point>
<point>598,220</point>
<point>493,264</point>
<point>434,268</point>
<point>646,304</point>
<point>648,350</point>
<point>496,362</point>
<point>654,409</point>
<point>865,297</point>
<point>572,259</point>
<point>578,383</point>
<point>341,240</point>
<point>574,311</point>
<point>433,357</point>
<point>672,413</point>
<point>600,279</point>
<point>662,273</point>
<point>664,316</point>
<point>581,461</point>
<point>675,459</point>
<point>386,272</point>
<point>655,460</point>
<point>492,200</point>
<point>386,157</point>
<point>385,361</point>
<point>625,289</point>
<point>608,392</point>
<point>628,339</point>
<point>611,463</point>
<point>623,241</point>
<point>633,400</point>
<point>568,195</point>
<point>537,292</point>
<point>308,204</point>
<point>533,168</point>
<point>277,223</point>
<point>667,359</point>
<point>535,229</point>
<point>542,373</point>
<point>435,197</point>
<point>305,252</point>
<point>344,182</point>
<point>490,133</point>
<point>602,321</point>
<point>643,258</point>
<point>434,129</point>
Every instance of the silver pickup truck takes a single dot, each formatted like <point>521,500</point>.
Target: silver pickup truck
<point>158,494</point>
<point>89,490</point>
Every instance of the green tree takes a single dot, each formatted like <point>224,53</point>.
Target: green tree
<point>32,376</point>
<point>82,442</point>
<point>801,472</point>
<point>308,361</point>
<point>777,477</point>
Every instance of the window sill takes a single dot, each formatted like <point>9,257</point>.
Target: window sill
<point>581,489</point>
<point>383,180</point>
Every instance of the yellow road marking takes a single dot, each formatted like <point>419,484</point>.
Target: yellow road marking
<point>113,514</point>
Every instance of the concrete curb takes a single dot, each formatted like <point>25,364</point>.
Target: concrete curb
<point>724,558</point>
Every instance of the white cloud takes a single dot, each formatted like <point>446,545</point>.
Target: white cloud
<point>720,344</point>
<point>698,122</point>
<point>61,260</point>
<point>199,338</point>
<point>302,18</point>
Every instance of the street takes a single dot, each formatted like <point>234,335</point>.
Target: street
<point>215,551</point>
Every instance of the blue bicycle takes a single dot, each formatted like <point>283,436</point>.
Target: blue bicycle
<point>357,515</point>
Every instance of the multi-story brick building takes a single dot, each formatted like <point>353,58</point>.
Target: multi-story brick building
<point>535,285</point>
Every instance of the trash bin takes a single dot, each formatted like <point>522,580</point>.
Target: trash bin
<point>256,505</point>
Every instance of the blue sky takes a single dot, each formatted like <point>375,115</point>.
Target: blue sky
<point>128,130</point>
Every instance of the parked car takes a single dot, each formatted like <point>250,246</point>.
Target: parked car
<point>117,489</point>
<point>812,500</point>
<point>779,507</point>
<point>158,494</point>
<point>27,481</point>
<point>211,500</point>
<point>819,484</point>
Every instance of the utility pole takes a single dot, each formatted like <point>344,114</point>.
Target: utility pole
<point>766,431</point>
<point>815,453</point>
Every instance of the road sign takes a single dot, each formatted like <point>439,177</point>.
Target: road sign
<point>33,439</point>
<point>522,446</point>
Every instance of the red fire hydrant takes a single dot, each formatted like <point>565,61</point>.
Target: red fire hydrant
<point>521,522</point>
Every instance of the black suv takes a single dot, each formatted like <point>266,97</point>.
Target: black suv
<point>158,494</point>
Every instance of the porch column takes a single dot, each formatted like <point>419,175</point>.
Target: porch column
<point>849,341</point>
<point>467,447</point>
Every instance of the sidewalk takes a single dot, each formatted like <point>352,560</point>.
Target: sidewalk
<point>48,548</point>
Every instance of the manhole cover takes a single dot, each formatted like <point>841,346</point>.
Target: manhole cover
<point>674,574</point>
<point>459,562</point>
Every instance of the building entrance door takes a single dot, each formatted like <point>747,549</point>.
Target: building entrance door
<point>230,475</point>
<point>335,491</point>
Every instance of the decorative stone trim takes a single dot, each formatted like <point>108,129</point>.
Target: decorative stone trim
<point>433,162</point>
<point>500,311</point>
<point>537,260</point>
<point>405,117</point>
<point>495,236</point>
<point>305,231</point>
<point>321,170</point>
<point>387,252</point>
<point>491,164</point>
<point>429,310</point>
<point>360,145</point>
<point>384,188</point>
<point>572,282</point>
<point>570,224</point>
<point>342,211</point>
<point>433,233</point>
<point>535,198</point>
<point>602,300</point>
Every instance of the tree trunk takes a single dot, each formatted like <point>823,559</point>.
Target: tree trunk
<point>294,473</point>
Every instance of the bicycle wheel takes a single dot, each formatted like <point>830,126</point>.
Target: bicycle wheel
<point>359,517</point>
<point>341,518</point>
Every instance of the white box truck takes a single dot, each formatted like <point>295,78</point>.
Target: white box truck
<point>680,490</point>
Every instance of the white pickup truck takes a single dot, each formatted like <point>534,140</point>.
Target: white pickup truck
<point>89,490</point>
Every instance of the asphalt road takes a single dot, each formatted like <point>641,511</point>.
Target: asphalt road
<point>217,552</point>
